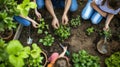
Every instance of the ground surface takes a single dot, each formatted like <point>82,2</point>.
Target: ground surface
<point>78,39</point>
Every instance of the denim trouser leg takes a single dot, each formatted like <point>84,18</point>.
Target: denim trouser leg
<point>87,11</point>
<point>74,6</point>
<point>40,3</point>
<point>21,20</point>
<point>96,18</point>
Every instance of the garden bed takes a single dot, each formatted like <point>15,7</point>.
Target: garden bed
<point>78,40</point>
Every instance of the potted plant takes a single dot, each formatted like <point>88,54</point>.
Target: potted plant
<point>20,56</point>
<point>7,10</point>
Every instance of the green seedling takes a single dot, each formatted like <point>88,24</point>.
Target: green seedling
<point>83,59</point>
<point>42,26</point>
<point>107,34</point>
<point>75,22</point>
<point>47,40</point>
<point>63,32</point>
<point>113,60</point>
<point>90,30</point>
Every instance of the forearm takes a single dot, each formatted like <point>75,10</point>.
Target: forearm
<point>98,9</point>
<point>28,18</point>
<point>67,6</point>
<point>49,7</point>
<point>109,18</point>
<point>62,54</point>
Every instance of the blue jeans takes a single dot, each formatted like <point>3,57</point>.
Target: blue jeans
<point>58,4</point>
<point>21,20</point>
<point>89,13</point>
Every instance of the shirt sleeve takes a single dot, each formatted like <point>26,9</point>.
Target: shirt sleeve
<point>98,2</point>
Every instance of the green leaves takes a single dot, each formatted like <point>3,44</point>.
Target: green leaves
<point>63,32</point>
<point>47,40</point>
<point>25,7</point>
<point>113,60</point>
<point>83,59</point>
<point>75,22</point>
<point>90,30</point>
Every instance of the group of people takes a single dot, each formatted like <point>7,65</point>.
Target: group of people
<point>94,10</point>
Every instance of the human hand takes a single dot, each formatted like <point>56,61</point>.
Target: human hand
<point>64,19</point>
<point>35,24</point>
<point>38,14</point>
<point>104,14</point>
<point>55,23</point>
<point>65,48</point>
<point>106,28</point>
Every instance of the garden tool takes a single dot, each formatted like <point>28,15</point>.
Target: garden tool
<point>104,47</point>
<point>29,39</point>
<point>67,52</point>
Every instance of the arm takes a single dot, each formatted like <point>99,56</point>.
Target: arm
<point>36,12</point>
<point>63,53</point>
<point>93,4</point>
<point>67,6</point>
<point>49,7</point>
<point>34,23</point>
<point>107,22</point>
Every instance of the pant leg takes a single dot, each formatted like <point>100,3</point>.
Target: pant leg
<point>87,11</point>
<point>96,18</point>
<point>40,3</point>
<point>74,6</point>
<point>21,20</point>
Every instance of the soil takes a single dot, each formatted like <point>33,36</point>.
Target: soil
<point>78,40</point>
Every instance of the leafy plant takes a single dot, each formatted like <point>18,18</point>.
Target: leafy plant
<point>107,34</point>
<point>3,54</point>
<point>90,30</point>
<point>25,6</point>
<point>75,22</point>
<point>83,59</point>
<point>47,40</point>
<point>113,60</point>
<point>42,26</point>
<point>63,32</point>
<point>7,10</point>
<point>35,58</point>
<point>17,53</point>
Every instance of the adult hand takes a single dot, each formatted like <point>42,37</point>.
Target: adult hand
<point>106,28</point>
<point>55,23</point>
<point>35,24</point>
<point>64,19</point>
<point>38,14</point>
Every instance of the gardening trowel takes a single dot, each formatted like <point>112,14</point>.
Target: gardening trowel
<point>68,53</point>
<point>29,39</point>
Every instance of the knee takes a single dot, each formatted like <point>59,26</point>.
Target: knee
<point>74,6</point>
<point>21,20</point>
<point>40,4</point>
<point>96,18</point>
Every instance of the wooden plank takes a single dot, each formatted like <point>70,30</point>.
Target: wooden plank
<point>18,32</point>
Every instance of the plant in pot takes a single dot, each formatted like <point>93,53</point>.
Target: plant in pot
<point>20,56</point>
<point>7,10</point>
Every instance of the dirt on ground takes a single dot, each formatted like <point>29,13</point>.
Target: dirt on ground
<point>78,40</point>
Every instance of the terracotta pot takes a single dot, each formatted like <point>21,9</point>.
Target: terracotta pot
<point>6,35</point>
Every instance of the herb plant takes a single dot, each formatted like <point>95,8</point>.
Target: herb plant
<point>42,26</point>
<point>63,32</point>
<point>113,60</point>
<point>75,22</point>
<point>47,40</point>
<point>83,59</point>
<point>90,30</point>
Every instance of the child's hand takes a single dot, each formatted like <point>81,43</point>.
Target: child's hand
<point>65,48</point>
<point>64,19</point>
